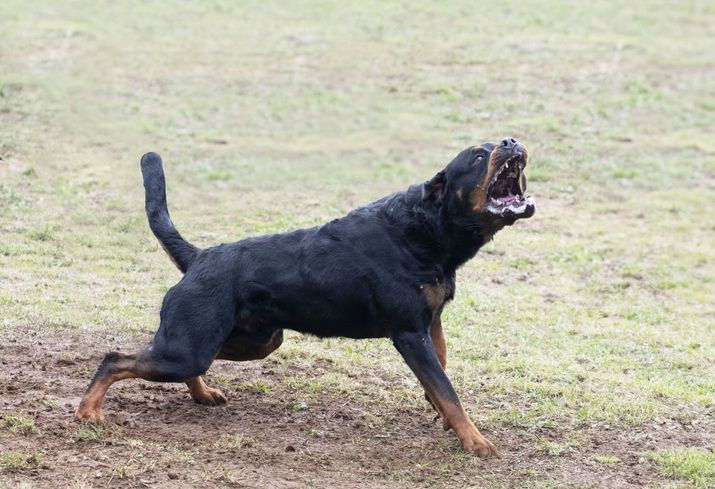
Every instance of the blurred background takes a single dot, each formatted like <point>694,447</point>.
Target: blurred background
<point>272,116</point>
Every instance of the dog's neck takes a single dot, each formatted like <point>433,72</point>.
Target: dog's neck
<point>438,237</point>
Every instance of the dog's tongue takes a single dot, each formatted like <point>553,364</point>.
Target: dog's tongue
<point>508,199</point>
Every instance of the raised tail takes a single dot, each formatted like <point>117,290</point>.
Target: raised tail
<point>181,252</point>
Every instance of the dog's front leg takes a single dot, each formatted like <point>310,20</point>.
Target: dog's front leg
<point>419,352</point>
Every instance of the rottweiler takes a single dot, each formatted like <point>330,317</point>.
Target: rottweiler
<point>384,270</point>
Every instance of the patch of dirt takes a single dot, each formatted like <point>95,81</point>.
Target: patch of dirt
<point>157,437</point>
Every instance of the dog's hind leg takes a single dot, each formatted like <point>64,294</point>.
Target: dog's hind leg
<point>183,348</point>
<point>237,349</point>
<point>203,394</point>
<point>115,366</point>
<point>149,364</point>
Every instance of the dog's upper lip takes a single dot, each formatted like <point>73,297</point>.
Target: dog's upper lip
<point>516,159</point>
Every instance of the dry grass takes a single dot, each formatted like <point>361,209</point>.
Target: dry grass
<point>595,313</point>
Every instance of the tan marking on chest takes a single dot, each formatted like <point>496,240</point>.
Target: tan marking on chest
<point>435,293</point>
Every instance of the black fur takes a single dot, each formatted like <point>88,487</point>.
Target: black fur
<point>180,251</point>
<point>384,270</point>
<point>358,276</point>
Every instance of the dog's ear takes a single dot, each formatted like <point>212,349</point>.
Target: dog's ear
<point>432,190</point>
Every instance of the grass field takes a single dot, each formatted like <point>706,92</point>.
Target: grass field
<point>582,340</point>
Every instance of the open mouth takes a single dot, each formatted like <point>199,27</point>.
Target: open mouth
<point>506,190</point>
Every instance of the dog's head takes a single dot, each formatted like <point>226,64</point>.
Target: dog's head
<point>485,185</point>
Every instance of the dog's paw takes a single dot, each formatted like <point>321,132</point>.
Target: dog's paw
<point>210,397</point>
<point>476,443</point>
<point>89,415</point>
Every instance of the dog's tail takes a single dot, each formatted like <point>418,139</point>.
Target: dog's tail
<point>181,252</point>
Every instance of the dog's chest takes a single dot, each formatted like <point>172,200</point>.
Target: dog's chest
<point>437,293</point>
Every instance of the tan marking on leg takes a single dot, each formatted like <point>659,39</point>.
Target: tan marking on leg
<point>453,414</point>
<point>455,417</point>
<point>90,408</point>
<point>438,339</point>
<point>440,347</point>
<point>203,394</point>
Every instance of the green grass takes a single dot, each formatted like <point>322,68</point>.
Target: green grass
<point>15,423</point>
<point>256,386</point>
<point>18,462</point>
<point>597,311</point>
<point>693,465</point>
<point>609,460</point>
<point>89,433</point>
<point>235,441</point>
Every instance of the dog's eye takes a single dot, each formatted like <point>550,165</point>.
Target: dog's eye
<point>479,158</point>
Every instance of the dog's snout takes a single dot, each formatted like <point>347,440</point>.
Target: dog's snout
<point>509,143</point>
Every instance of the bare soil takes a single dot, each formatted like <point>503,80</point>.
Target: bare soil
<point>157,437</point>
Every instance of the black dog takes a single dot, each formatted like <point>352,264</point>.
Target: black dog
<point>384,270</point>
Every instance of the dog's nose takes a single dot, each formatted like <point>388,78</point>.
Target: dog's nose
<point>509,143</point>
